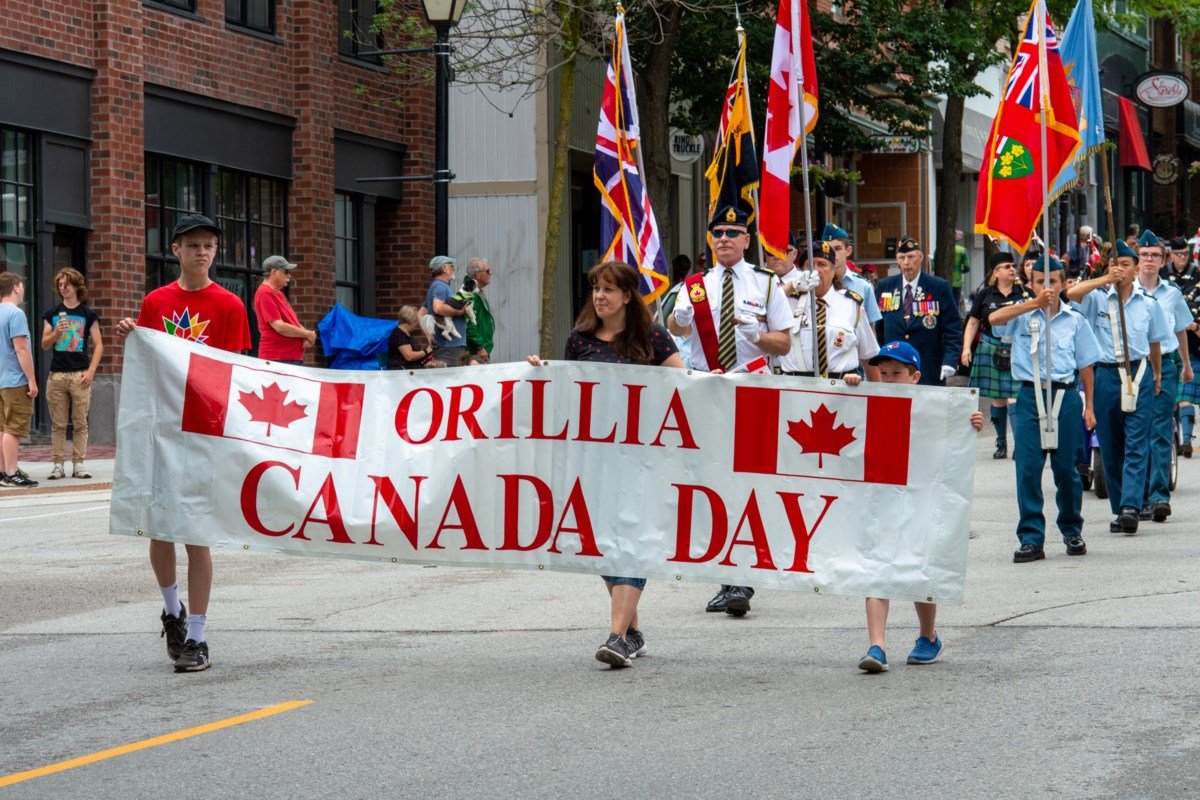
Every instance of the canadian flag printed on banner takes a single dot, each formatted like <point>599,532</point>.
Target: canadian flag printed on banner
<point>272,408</point>
<point>813,434</point>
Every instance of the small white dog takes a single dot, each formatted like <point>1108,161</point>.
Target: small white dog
<point>440,326</point>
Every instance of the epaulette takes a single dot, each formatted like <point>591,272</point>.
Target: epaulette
<point>853,295</point>
<point>764,270</point>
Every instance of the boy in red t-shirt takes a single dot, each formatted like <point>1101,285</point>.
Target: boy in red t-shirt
<point>196,309</point>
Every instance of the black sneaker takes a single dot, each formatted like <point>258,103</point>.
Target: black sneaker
<point>194,657</point>
<point>737,600</point>
<point>19,480</point>
<point>174,630</point>
<point>636,643</point>
<point>614,652</point>
<point>5,480</point>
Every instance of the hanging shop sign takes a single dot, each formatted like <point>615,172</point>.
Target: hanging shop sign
<point>1162,89</point>
<point>686,148</point>
<point>1166,169</point>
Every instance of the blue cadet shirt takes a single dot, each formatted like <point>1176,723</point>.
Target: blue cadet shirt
<point>865,289</point>
<point>1075,346</point>
<point>1179,316</point>
<point>1144,320</point>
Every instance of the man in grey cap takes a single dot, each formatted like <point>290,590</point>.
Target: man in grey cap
<point>439,300</point>
<point>281,336</point>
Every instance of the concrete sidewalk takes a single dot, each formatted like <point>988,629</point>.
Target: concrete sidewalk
<point>101,480</point>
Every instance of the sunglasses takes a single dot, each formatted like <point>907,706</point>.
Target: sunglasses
<point>728,233</point>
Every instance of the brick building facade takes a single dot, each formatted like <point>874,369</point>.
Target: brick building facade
<point>116,116</point>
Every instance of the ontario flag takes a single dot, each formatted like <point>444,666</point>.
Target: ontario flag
<point>791,115</point>
<point>733,173</point>
<point>811,434</point>
<point>628,229</point>
<point>1012,186</point>
<point>271,408</point>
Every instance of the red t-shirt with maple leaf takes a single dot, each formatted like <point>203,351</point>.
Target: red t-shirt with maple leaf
<point>213,316</point>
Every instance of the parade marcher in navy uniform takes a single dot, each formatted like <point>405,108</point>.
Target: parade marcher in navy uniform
<point>1183,274</point>
<point>844,336</point>
<point>1156,503</point>
<point>1124,396</point>
<point>1073,349</point>
<point>839,240</point>
<point>919,308</point>
<point>991,370</point>
<point>733,314</point>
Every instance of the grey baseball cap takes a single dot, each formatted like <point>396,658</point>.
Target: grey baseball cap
<point>437,262</point>
<point>277,262</point>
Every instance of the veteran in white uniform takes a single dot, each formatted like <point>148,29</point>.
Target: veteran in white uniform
<point>845,338</point>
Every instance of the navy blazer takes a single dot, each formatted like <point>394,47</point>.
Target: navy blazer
<point>938,346</point>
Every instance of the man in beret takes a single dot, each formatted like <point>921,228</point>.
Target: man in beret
<point>918,307</point>
<point>1182,273</point>
<point>196,309</point>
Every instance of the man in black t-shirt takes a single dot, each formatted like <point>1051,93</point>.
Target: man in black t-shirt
<point>72,330</point>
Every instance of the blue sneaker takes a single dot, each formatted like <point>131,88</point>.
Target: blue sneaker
<point>925,651</point>
<point>874,661</point>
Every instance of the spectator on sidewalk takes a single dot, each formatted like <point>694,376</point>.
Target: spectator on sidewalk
<point>281,336</point>
<point>69,328</point>
<point>18,383</point>
<point>402,350</point>
<point>439,302</point>
<point>481,332</point>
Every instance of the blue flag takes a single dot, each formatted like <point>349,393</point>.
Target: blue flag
<point>1078,51</point>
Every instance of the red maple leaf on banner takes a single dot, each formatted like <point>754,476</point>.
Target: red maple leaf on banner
<point>271,408</point>
<point>819,436</point>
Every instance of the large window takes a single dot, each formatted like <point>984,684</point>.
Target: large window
<point>356,28</point>
<point>252,211</point>
<point>16,202</point>
<point>348,216</point>
<point>258,15</point>
<point>173,188</point>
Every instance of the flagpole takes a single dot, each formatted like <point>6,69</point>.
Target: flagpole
<point>741,33</point>
<point>1112,259</point>
<point>799,78</point>
<point>1048,429</point>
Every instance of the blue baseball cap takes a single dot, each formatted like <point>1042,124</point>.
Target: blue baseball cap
<point>832,232</point>
<point>903,352</point>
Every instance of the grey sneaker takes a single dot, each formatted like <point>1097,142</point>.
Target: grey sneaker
<point>77,471</point>
<point>614,652</point>
<point>56,473</point>
<point>636,643</point>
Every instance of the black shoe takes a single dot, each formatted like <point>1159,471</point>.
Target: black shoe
<point>737,600</point>
<point>174,629</point>
<point>1115,526</point>
<point>1128,519</point>
<point>1146,513</point>
<point>718,601</point>
<point>636,643</point>
<point>20,480</point>
<point>1028,552</point>
<point>194,657</point>
<point>1001,451</point>
<point>614,652</point>
<point>1185,450</point>
<point>1161,510</point>
<point>1076,547</point>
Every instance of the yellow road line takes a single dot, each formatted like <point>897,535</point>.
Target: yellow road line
<point>61,766</point>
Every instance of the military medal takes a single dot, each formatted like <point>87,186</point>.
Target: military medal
<point>697,293</point>
<point>839,340</point>
<point>929,321</point>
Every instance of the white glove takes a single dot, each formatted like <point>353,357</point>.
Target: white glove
<point>948,371</point>
<point>684,315</point>
<point>748,329</point>
<point>806,280</point>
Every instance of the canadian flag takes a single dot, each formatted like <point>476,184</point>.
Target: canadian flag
<point>814,434</point>
<point>272,408</point>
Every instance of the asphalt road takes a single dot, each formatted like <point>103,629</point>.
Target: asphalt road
<point>1066,678</point>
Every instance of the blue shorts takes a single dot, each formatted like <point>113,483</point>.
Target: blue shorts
<point>637,583</point>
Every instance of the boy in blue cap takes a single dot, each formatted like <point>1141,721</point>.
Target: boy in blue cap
<point>1130,337</point>
<point>1031,324</point>
<point>899,362</point>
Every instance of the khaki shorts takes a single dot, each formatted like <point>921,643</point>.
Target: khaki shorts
<point>16,409</point>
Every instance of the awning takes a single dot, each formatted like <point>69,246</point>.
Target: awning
<point>1133,147</point>
<point>1191,123</point>
<point>975,130</point>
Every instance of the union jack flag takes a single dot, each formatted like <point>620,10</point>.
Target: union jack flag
<point>628,229</point>
<point>1023,79</point>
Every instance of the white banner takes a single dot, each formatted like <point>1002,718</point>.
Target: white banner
<point>756,480</point>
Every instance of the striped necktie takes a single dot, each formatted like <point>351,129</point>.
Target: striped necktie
<point>822,349</point>
<point>726,342</point>
<point>908,300</point>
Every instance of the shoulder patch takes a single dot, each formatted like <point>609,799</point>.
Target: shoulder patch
<point>763,271</point>
<point>855,296</point>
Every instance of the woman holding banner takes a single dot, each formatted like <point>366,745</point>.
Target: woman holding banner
<point>616,328</point>
<point>991,368</point>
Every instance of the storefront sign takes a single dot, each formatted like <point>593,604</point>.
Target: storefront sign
<point>897,144</point>
<point>1162,89</point>
<point>1166,169</point>
<point>686,148</point>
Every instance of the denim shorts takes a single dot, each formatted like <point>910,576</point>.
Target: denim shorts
<point>637,583</point>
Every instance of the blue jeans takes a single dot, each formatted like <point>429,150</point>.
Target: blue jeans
<point>1031,460</point>
<point>1162,431</point>
<point>1124,438</point>
<point>637,583</point>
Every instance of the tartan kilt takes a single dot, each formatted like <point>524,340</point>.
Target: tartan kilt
<point>1190,391</point>
<point>991,381</point>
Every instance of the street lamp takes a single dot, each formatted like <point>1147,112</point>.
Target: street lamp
<point>442,15</point>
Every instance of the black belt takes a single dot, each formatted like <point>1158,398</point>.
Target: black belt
<point>1054,385</point>
<point>1133,365</point>
<point>812,375</point>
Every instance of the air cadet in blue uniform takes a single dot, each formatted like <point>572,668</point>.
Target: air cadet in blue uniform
<point>1124,436</point>
<point>1181,272</point>
<point>1074,350</point>
<point>1176,370</point>
<point>839,240</point>
<point>918,307</point>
